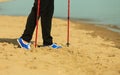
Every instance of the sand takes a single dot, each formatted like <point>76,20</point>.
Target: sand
<point>91,52</point>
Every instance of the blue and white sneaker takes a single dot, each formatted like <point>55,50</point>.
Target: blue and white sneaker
<point>55,46</point>
<point>22,44</point>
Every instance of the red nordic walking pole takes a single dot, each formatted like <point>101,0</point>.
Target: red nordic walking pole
<point>37,19</point>
<point>68,27</point>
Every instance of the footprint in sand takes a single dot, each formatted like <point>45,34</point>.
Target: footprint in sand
<point>4,44</point>
<point>112,55</point>
<point>33,67</point>
<point>30,66</point>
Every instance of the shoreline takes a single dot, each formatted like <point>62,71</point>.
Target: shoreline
<point>111,27</point>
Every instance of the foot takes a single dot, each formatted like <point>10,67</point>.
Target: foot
<point>22,44</point>
<point>55,46</point>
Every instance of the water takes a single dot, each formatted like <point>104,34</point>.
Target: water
<point>96,11</point>
<point>16,7</point>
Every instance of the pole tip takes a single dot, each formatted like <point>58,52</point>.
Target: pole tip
<point>67,44</point>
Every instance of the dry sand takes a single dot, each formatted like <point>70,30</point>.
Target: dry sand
<point>90,53</point>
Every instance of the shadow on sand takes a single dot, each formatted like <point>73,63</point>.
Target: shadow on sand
<point>9,41</point>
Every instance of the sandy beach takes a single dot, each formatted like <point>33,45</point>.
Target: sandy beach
<point>93,50</point>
